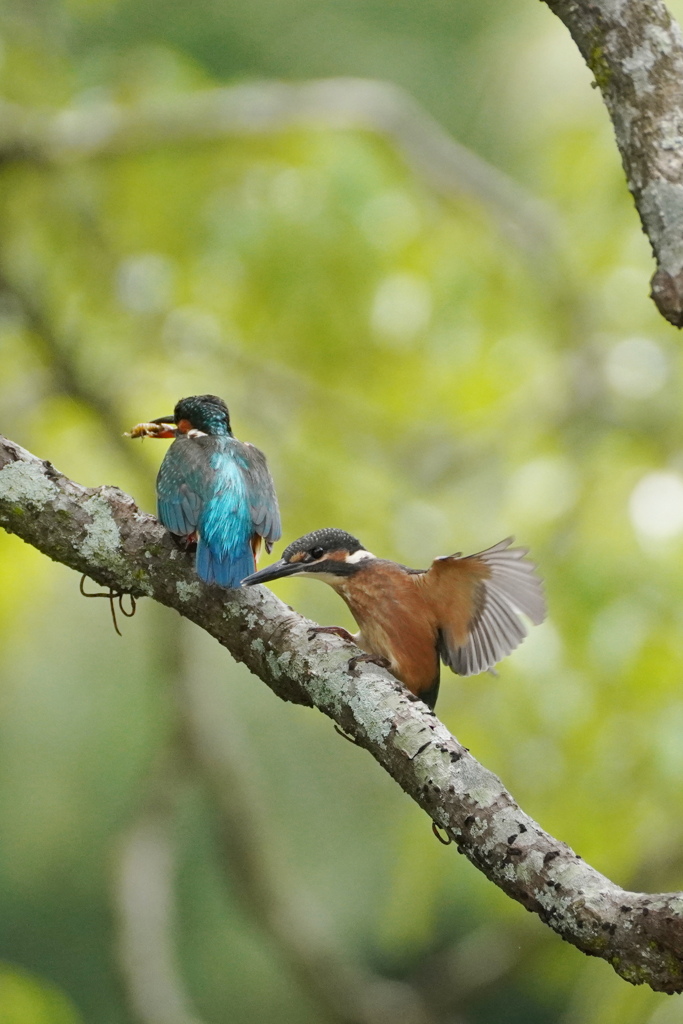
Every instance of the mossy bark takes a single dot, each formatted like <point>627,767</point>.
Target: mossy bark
<point>635,50</point>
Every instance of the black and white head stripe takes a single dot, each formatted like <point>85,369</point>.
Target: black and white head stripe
<point>319,543</point>
<point>325,554</point>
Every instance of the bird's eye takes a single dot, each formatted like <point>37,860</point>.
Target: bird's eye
<point>317,553</point>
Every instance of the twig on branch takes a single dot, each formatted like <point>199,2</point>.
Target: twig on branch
<point>635,51</point>
<point>100,531</point>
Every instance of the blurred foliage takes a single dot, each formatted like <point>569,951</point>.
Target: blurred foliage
<point>24,1000</point>
<point>416,378</point>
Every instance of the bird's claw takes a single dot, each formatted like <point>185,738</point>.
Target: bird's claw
<point>333,630</point>
<point>188,543</point>
<point>374,659</point>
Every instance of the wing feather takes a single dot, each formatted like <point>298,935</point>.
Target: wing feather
<point>479,601</point>
<point>219,488</point>
<point>265,512</point>
<point>188,479</point>
<point>183,484</point>
<point>499,625</point>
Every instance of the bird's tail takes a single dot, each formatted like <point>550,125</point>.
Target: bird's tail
<point>226,568</point>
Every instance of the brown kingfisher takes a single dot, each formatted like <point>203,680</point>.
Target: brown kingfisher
<point>464,610</point>
<point>214,489</point>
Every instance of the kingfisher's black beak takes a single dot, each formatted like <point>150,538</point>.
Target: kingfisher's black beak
<point>164,419</point>
<point>274,572</point>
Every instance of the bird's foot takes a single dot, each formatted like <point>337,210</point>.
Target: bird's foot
<point>188,543</point>
<point>374,659</point>
<point>334,630</point>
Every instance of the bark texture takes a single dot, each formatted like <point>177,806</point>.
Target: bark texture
<point>102,533</point>
<point>635,50</point>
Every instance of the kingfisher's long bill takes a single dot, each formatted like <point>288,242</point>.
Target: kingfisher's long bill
<point>465,611</point>
<point>215,489</point>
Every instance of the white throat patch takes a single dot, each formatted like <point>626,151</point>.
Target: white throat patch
<point>360,556</point>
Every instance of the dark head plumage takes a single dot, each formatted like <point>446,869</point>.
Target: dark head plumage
<point>323,553</point>
<point>319,543</point>
<point>207,413</point>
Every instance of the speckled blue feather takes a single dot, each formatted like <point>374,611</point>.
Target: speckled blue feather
<point>221,489</point>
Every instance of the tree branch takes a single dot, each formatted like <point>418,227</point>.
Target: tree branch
<point>102,533</point>
<point>145,905</point>
<point>61,359</point>
<point>635,51</point>
<point>264,108</point>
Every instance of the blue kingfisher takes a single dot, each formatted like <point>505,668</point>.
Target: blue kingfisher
<point>214,489</point>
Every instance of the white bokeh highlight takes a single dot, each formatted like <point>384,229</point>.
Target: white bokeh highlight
<point>636,368</point>
<point>656,506</point>
<point>543,489</point>
<point>144,283</point>
<point>401,309</point>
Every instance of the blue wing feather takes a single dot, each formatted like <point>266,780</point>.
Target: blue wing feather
<point>224,553</point>
<point>265,513</point>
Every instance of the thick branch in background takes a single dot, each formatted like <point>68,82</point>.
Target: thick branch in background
<point>635,51</point>
<point>60,357</point>
<point>265,108</point>
<point>102,533</point>
<point>145,906</point>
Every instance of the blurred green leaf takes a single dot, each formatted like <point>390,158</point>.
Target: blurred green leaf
<point>29,1000</point>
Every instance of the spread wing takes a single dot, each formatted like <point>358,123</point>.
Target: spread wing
<point>478,601</point>
<point>265,512</point>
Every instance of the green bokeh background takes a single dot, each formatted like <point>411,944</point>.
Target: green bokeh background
<point>417,375</point>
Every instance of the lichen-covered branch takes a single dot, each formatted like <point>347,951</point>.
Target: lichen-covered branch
<point>635,50</point>
<point>102,533</point>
